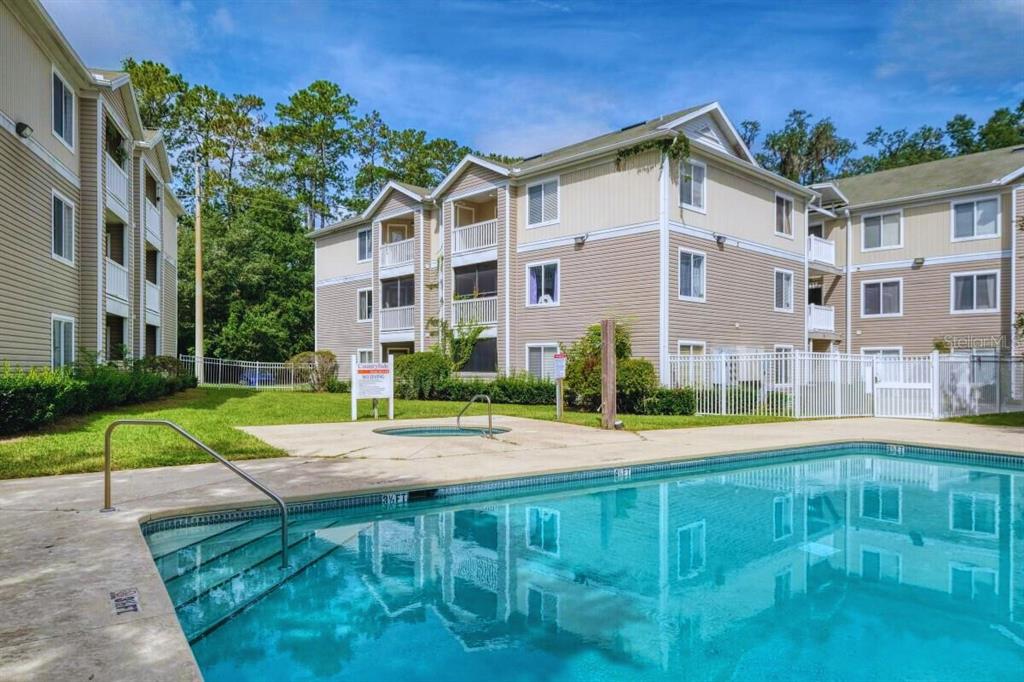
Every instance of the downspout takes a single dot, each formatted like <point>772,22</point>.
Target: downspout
<point>100,198</point>
<point>663,372</point>
<point>508,261</point>
<point>1014,216</point>
<point>421,235</point>
<point>807,272</point>
<point>849,284</point>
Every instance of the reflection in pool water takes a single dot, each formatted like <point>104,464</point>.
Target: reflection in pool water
<point>850,568</point>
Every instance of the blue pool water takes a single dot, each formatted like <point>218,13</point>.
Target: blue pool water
<point>864,562</point>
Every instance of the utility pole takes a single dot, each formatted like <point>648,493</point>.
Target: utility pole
<point>199,275</point>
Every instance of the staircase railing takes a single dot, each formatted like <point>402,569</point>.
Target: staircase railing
<point>478,396</point>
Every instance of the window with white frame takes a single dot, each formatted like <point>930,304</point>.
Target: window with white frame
<point>690,552</point>
<point>783,364</point>
<point>693,185</point>
<point>542,203</point>
<point>691,347</point>
<point>543,529</point>
<point>782,517</point>
<point>365,305</point>
<point>883,231</point>
<point>783,586</point>
<point>365,241</point>
<point>974,292</point>
<point>972,583</point>
<point>63,110</point>
<point>880,566</point>
<point>540,360</point>
<point>784,290</point>
<point>783,215</point>
<point>542,284</point>
<point>976,219</point>
<point>62,341</point>
<point>882,298</point>
<point>692,275</point>
<point>63,220</point>
<point>881,501</point>
<point>541,607</point>
<point>973,512</point>
<point>365,355</point>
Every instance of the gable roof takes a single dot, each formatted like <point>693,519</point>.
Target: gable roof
<point>411,191</point>
<point>977,171</point>
<point>468,159</point>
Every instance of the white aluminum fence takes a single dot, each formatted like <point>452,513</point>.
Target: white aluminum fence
<point>243,373</point>
<point>805,384</point>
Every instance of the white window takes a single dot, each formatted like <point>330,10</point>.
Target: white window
<point>893,352</point>
<point>973,512</point>
<point>63,222</point>
<point>690,553</point>
<point>542,284</point>
<point>883,231</point>
<point>783,586</point>
<point>783,215</point>
<point>692,275</point>
<point>63,111</point>
<point>542,203</point>
<point>365,355</point>
<point>693,185</point>
<point>882,298</point>
<point>880,566</point>
<point>976,219</point>
<point>62,337</point>
<point>686,347</point>
<point>972,583</point>
<point>783,363</point>
<point>543,529</point>
<point>464,215</point>
<point>881,501</point>
<point>540,360</point>
<point>365,305</point>
<point>784,290</point>
<point>782,522</point>
<point>974,292</point>
<point>365,239</point>
<point>541,606</point>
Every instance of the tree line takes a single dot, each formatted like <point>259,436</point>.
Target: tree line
<point>267,181</point>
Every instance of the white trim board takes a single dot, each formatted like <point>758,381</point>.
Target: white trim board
<point>933,260</point>
<point>596,235</point>
<point>8,124</point>
<point>344,279</point>
<point>708,235</point>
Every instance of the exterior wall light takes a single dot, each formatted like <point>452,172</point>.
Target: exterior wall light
<point>580,239</point>
<point>918,262</point>
<point>24,130</point>
<point>720,239</point>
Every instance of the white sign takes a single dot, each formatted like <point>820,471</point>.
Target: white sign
<point>373,380</point>
<point>559,367</point>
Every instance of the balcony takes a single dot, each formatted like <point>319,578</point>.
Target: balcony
<point>117,280</point>
<point>821,251</point>
<point>117,185</point>
<point>475,237</point>
<point>821,318</point>
<point>154,228</point>
<point>475,311</point>
<point>397,319</point>
<point>153,297</point>
<point>397,253</point>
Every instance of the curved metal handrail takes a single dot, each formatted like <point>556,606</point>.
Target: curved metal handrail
<point>108,507</point>
<point>490,427</point>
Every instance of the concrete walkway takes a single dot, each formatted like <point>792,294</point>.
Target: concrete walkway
<point>61,557</point>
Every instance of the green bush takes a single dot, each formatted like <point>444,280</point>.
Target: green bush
<point>672,401</point>
<point>583,364</point>
<point>635,383</point>
<point>315,368</point>
<point>515,389</point>
<point>336,385</point>
<point>420,376</point>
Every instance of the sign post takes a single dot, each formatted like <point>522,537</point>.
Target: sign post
<point>559,374</point>
<point>608,374</point>
<point>373,380</point>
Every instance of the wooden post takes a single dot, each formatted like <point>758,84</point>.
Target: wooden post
<point>608,373</point>
<point>200,361</point>
<point>558,399</point>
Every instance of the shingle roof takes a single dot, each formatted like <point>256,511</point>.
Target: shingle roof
<point>415,189</point>
<point>935,176</point>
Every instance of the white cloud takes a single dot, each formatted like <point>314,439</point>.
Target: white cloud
<point>223,20</point>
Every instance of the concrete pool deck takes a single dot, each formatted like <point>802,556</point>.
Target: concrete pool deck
<point>62,558</point>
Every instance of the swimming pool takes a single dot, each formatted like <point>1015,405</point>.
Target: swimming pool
<point>851,562</point>
<point>439,431</point>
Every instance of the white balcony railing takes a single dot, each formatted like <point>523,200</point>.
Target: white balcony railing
<point>821,250</point>
<point>821,318</point>
<point>153,297</point>
<point>154,229</point>
<point>475,311</point>
<point>476,236</point>
<point>117,280</point>
<point>117,181</point>
<point>397,253</point>
<point>397,319</point>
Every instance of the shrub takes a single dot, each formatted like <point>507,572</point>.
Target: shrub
<point>420,376</point>
<point>672,401</point>
<point>583,364</point>
<point>168,365</point>
<point>515,389</point>
<point>315,368</point>
<point>635,383</point>
<point>336,385</point>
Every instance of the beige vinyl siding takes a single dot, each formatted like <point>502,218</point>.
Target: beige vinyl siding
<point>474,178</point>
<point>609,278</point>
<point>396,202</point>
<point>32,283</point>
<point>26,83</point>
<point>1019,267</point>
<point>337,255</point>
<point>114,101</point>
<point>740,207</point>
<point>739,311</point>
<point>89,268</point>
<point>170,230</point>
<point>337,328</point>
<point>596,197</point>
<point>501,330</point>
<point>926,303</point>
<point>169,309</point>
<point>927,232</point>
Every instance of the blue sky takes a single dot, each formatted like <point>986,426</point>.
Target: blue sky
<point>523,77</point>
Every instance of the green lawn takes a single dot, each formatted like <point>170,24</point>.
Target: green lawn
<point>1005,419</point>
<point>76,445</point>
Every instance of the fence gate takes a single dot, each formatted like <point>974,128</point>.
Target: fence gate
<point>904,386</point>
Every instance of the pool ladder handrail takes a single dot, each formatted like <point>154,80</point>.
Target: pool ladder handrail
<point>490,423</point>
<point>108,507</point>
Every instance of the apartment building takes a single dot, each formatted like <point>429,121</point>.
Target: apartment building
<point>919,258</point>
<point>87,217</point>
<point>702,255</point>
